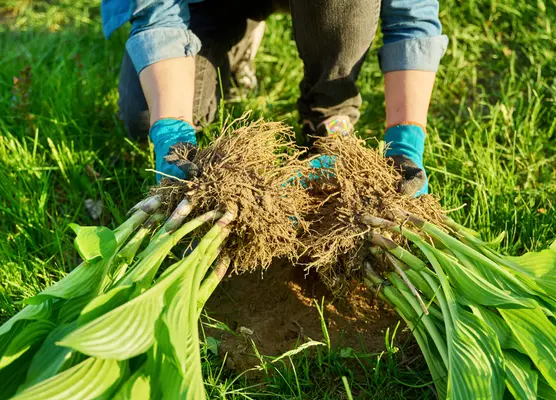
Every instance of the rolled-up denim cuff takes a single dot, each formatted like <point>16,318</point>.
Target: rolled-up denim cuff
<point>422,54</point>
<point>157,44</point>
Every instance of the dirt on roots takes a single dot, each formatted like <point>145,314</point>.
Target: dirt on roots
<point>361,183</point>
<point>285,209</point>
<point>250,173</point>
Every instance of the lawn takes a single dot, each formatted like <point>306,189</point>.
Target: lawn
<point>491,147</point>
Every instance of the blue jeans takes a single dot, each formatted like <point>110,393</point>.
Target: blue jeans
<point>332,37</point>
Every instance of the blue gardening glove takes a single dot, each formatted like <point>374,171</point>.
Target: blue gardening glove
<point>169,135</point>
<point>406,144</point>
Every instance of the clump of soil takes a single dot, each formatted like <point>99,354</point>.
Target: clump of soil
<point>279,313</point>
<point>248,172</point>
<point>362,182</point>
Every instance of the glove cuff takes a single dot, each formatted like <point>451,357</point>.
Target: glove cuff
<point>172,130</point>
<point>406,139</point>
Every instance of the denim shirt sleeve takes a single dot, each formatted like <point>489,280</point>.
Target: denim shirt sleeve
<point>413,38</point>
<point>114,14</point>
<point>159,29</point>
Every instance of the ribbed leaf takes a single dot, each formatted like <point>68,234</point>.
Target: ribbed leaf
<point>522,274</point>
<point>82,280</point>
<point>521,379</point>
<point>32,312</point>
<point>476,289</point>
<point>125,374</point>
<point>537,334</point>
<point>476,364</point>
<point>71,309</point>
<point>137,387</point>
<point>122,333</point>
<point>495,277</point>
<point>153,369</point>
<point>176,320</point>
<point>50,358</point>
<point>538,264</point>
<point>12,376</point>
<point>541,266</point>
<point>30,336</point>
<point>126,331</point>
<point>476,369</point>
<point>8,337</point>
<point>87,380</point>
<point>105,303</point>
<point>499,326</point>
<point>171,381</point>
<point>486,257</point>
<point>179,338</point>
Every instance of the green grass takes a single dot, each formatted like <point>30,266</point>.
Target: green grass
<point>491,145</point>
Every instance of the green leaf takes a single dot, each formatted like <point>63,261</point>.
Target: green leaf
<point>213,344</point>
<point>93,242</point>
<point>524,275</point>
<point>124,376</point>
<point>179,336</point>
<point>483,256</point>
<point>177,320</point>
<point>137,387</point>
<point>29,337</point>
<point>538,264</point>
<point>499,326</point>
<point>171,381</point>
<point>8,337</point>
<point>494,276</point>
<point>475,288</point>
<point>428,347</point>
<point>476,364</point>
<point>541,266</point>
<point>537,334</point>
<point>105,303</point>
<point>544,391</point>
<point>50,358</point>
<point>553,246</point>
<point>87,380</point>
<point>521,379</point>
<point>71,309</point>
<point>32,312</point>
<point>124,332</point>
<point>12,376</point>
<point>84,279</point>
<point>476,369</point>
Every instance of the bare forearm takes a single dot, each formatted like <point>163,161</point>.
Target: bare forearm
<point>168,86</point>
<point>407,95</point>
